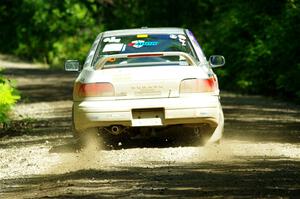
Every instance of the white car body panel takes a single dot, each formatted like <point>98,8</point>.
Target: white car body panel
<point>188,110</point>
<point>159,81</point>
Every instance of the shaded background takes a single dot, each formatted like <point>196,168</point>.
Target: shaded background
<point>259,38</point>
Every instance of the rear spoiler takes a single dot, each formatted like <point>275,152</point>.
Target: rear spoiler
<point>99,64</point>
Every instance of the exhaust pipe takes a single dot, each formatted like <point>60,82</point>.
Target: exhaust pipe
<point>115,130</point>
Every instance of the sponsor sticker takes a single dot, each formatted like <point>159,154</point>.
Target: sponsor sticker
<point>173,36</point>
<point>142,36</point>
<point>142,43</point>
<point>113,47</point>
<point>182,37</point>
<point>112,40</point>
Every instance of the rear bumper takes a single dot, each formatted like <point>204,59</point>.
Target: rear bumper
<point>191,110</point>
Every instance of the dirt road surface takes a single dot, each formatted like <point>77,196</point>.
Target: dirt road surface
<point>258,158</point>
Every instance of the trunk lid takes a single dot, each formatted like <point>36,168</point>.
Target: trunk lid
<point>146,82</point>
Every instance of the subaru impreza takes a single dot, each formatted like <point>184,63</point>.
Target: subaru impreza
<point>138,82</point>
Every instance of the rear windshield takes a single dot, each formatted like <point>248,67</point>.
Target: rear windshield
<point>143,43</point>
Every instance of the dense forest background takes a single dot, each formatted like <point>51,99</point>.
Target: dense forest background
<point>259,38</point>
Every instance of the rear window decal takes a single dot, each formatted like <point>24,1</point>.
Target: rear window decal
<point>142,43</point>
<point>113,47</point>
<point>182,37</point>
<point>142,36</point>
<point>112,40</point>
<point>173,36</point>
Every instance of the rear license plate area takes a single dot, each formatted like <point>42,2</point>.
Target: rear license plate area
<point>147,117</point>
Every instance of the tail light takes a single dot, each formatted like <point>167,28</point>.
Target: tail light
<point>198,85</point>
<point>100,89</point>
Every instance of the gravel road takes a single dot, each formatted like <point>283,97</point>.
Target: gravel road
<point>258,158</point>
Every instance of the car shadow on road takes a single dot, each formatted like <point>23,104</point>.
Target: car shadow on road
<point>255,179</point>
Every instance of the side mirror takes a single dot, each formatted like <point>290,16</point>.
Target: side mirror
<point>216,61</point>
<point>72,65</point>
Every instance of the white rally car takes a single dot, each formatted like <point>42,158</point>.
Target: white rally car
<point>143,81</point>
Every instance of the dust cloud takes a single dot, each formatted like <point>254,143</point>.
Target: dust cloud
<point>36,159</point>
<point>27,170</point>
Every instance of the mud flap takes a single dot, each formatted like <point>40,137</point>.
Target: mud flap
<point>217,135</point>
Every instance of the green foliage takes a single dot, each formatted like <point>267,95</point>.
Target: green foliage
<point>259,39</point>
<point>8,97</point>
<point>47,31</point>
